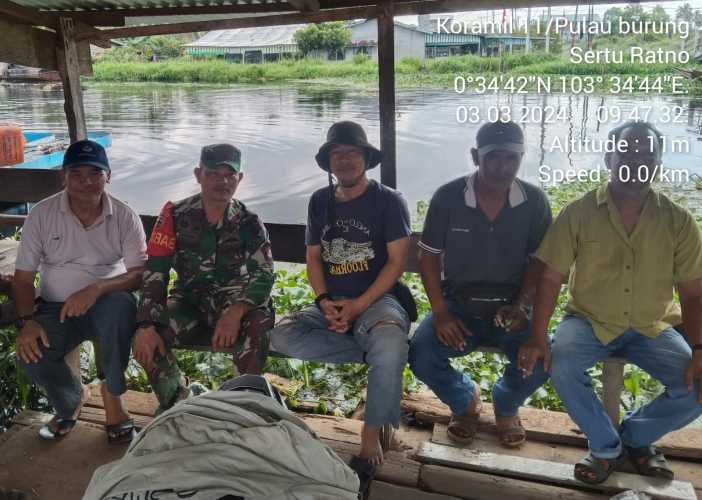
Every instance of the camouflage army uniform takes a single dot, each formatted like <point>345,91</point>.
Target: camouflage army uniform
<point>216,268</point>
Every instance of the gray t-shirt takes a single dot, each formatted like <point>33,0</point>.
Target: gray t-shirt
<point>475,250</point>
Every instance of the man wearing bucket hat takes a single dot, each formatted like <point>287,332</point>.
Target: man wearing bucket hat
<point>90,250</point>
<point>357,243</point>
<point>222,255</point>
<point>476,264</point>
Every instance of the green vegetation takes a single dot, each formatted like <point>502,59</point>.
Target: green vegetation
<point>410,72</point>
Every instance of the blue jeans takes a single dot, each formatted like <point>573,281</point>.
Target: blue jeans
<point>110,321</point>
<point>665,358</point>
<point>378,338</point>
<point>429,360</point>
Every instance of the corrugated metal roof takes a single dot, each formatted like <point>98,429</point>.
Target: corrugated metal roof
<point>249,37</point>
<point>128,4</point>
<point>451,39</point>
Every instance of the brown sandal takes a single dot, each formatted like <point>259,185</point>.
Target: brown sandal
<point>511,431</point>
<point>462,428</point>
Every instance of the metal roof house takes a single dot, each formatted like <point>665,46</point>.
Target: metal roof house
<point>250,45</point>
<point>254,45</point>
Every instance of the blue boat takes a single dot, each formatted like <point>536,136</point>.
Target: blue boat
<point>44,150</point>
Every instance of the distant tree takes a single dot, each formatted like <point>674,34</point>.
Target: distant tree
<point>659,15</point>
<point>330,36</point>
<point>684,12</point>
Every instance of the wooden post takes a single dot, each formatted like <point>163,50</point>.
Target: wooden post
<point>67,58</point>
<point>386,76</point>
<point>612,386</point>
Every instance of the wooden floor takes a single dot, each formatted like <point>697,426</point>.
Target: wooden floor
<point>541,469</point>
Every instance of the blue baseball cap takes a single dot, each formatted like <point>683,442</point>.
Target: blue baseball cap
<point>86,152</point>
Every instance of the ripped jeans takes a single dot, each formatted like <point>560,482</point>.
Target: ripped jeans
<point>378,338</point>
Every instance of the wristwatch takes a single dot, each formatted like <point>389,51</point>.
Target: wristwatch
<point>19,322</point>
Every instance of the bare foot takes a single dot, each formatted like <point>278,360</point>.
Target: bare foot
<point>114,410</point>
<point>370,445</point>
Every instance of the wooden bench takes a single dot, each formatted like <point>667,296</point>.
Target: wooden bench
<point>288,245</point>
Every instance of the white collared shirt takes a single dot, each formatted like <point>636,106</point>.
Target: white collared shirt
<point>70,257</point>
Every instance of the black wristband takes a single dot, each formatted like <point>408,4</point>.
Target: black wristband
<point>21,320</point>
<point>145,324</point>
<point>322,296</point>
<point>697,347</point>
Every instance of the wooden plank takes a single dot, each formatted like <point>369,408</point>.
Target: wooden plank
<point>28,185</point>
<point>386,94</point>
<point>136,403</point>
<point>550,472</point>
<point>565,454</point>
<point>380,490</point>
<point>67,57</point>
<point>55,470</point>
<point>479,486</point>
<point>29,46</point>
<point>548,426</point>
<point>396,468</point>
<point>97,416</point>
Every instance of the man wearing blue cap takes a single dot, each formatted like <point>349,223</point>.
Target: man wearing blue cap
<point>89,249</point>
<point>477,268</point>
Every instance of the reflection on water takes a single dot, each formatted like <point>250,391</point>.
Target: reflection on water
<point>158,131</point>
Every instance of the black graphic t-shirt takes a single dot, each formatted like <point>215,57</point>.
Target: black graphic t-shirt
<point>355,250</point>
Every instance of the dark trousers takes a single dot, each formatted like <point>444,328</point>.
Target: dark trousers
<point>110,322</point>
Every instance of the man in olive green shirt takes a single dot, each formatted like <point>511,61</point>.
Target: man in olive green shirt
<point>626,249</point>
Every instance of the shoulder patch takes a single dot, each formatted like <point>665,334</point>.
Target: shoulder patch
<point>163,239</point>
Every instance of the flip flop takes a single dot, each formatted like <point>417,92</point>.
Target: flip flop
<point>463,428</point>
<point>594,465</point>
<point>63,427</point>
<point>365,469</point>
<point>654,465</point>
<point>122,432</point>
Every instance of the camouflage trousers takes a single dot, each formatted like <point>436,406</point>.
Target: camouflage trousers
<point>184,325</point>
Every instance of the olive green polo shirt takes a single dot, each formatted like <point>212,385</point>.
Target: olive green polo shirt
<point>619,281</point>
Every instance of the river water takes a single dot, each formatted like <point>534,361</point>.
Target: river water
<point>159,129</point>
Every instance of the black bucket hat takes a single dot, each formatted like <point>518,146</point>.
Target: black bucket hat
<point>349,134</point>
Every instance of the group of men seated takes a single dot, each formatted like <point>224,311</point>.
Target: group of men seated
<point>492,262</point>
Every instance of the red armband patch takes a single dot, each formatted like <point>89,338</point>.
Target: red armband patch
<point>163,239</point>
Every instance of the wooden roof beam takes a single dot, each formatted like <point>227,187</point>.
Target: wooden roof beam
<point>305,5</point>
<point>222,24</point>
<point>25,15</point>
<point>340,14</point>
<point>117,17</point>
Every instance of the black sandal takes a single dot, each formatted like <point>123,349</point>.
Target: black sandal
<point>122,432</point>
<point>654,465</point>
<point>365,470</point>
<point>63,427</point>
<point>596,467</point>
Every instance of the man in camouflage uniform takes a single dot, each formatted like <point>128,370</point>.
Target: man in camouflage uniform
<point>222,256</point>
